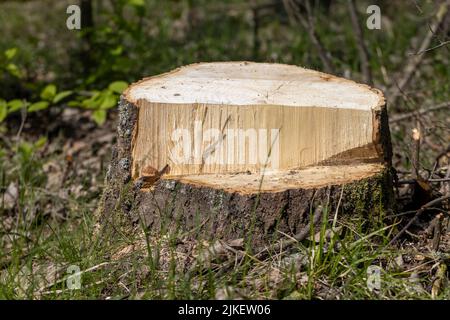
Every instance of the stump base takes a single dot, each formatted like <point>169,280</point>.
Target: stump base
<point>262,208</point>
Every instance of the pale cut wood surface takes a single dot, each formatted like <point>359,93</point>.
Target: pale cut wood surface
<point>250,83</point>
<point>294,116</point>
<point>307,178</point>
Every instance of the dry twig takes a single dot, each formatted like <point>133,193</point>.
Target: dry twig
<point>418,213</point>
<point>417,113</point>
<point>295,14</point>
<point>414,60</point>
<point>416,135</point>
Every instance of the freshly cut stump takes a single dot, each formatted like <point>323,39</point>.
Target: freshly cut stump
<point>240,149</point>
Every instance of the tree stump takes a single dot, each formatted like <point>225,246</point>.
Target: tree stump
<point>246,150</point>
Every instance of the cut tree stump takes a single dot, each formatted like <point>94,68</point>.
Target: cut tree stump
<point>246,150</point>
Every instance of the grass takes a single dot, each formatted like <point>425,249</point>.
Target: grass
<point>149,265</point>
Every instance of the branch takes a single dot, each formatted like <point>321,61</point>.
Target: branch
<point>401,117</point>
<point>418,213</point>
<point>362,48</point>
<point>435,47</point>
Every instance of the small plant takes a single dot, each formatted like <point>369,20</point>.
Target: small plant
<point>99,101</point>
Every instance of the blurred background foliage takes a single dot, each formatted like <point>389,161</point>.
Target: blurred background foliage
<point>46,68</point>
<point>59,89</point>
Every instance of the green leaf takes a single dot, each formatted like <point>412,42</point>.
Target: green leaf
<point>41,105</point>
<point>99,116</point>
<point>94,101</point>
<point>91,103</point>
<point>117,51</point>
<point>91,79</point>
<point>109,100</point>
<point>40,143</point>
<point>10,53</point>
<point>118,86</point>
<point>3,110</point>
<point>15,105</point>
<point>25,149</point>
<point>14,70</point>
<point>49,92</point>
<point>74,104</point>
<point>61,96</point>
<point>139,6</point>
<point>136,3</point>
